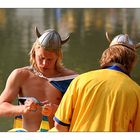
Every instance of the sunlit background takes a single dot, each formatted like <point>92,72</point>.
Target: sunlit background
<point>81,53</point>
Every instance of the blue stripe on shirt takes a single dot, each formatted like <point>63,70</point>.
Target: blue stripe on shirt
<point>114,67</point>
<point>58,121</point>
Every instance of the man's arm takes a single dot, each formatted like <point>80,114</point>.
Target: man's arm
<point>9,94</point>
<point>7,109</point>
<point>61,128</point>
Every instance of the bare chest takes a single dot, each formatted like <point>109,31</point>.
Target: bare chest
<point>41,89</point>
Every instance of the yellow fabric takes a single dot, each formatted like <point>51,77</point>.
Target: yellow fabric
<point>53,130</point>
<point>17,123</point>
<point>43,127</point>
<point>101,100</point>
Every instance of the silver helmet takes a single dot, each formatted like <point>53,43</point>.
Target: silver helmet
<point>50,39</point>
<point>124,40</point>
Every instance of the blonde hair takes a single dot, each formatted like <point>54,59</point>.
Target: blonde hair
<point>119,54</point>
<point>59,63</point>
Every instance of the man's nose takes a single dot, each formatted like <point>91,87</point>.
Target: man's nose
<point>45,63</point>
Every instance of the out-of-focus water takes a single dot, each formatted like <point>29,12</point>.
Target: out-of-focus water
<point>82,53</point>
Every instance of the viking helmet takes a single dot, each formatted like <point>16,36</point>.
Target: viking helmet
<point>50,39</point>
<point>124,40</point>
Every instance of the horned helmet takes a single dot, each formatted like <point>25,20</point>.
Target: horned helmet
<point>50,39</point>
<point>124,40</point>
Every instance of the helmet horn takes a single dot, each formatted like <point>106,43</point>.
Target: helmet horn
<point>107,36</point>
<point>37,32</point>
<point>64,41</point>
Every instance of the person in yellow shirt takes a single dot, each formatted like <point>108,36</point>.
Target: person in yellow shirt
<point>106,99</point>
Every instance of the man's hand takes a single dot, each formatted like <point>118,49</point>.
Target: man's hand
<point>29,106</point>
<point>49,108</point>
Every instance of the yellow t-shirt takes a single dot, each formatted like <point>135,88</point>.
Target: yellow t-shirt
<point>101,100</point>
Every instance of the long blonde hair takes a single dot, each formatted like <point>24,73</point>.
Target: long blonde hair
<point>119,54</point>
<point>59,64</point>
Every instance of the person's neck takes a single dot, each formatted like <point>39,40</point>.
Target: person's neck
<point>46,73</point>
<point>121,67</point>
<point>50,73</point>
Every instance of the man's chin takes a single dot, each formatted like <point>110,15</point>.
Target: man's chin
<point>43,70</point>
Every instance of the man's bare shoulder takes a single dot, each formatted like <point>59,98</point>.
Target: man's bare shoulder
<point>20,71</point>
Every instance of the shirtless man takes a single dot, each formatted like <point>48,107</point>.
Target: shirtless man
<point>46,80</point>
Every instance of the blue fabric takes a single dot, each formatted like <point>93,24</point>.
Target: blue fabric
<point>19,116</point>
<point>20,131</point>
<point>42,130</point>
<point>58,121</point>
<point>61,85</point>
<point>44,118</point>
<point>114,67</point>
<point>17,130</point>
